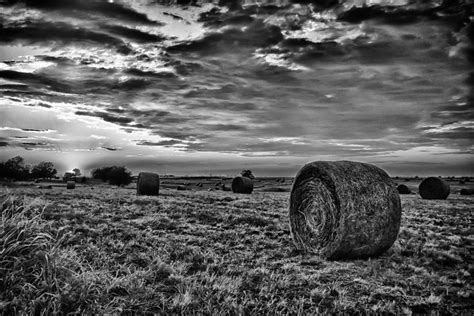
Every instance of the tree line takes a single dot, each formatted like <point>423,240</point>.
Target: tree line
<point>16,169</point>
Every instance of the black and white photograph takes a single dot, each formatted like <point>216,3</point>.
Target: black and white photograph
<point>236,157</point>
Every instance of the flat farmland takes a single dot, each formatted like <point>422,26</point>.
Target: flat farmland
<point>102,249</point>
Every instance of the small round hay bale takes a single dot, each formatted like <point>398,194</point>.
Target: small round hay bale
<point>403,189</point>
<point>181,188</point>
<point>226,188</point>
<point>148,183</point>
<point>242,185</point>
<point>344,210</point>
<point>466,191</point>
<point>70,185</point>
<point>434,188</point>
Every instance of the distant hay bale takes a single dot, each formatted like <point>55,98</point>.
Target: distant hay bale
<point>466,191</point>
<point>242,185</point>
<point>276,189</point>
<point>344,210</point>
<point>434,188</point>
<point>70,185</point>
<point>403,189</point>
<point>226,188</point>
<point>181,188</point>
<point>148,183</point>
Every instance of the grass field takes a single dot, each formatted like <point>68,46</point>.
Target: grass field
<point>102,249</point>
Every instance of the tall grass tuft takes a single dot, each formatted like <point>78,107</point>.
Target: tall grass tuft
<point>27,271</point>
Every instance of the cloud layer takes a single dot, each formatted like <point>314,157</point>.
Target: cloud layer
<point>245,84</point>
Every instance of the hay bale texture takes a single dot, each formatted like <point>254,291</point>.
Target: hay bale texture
<point>148,183</point>
<point>434,188</point>
<point>242,185</point>
<point>70,185</point>
<point>344,210</point>
<point>403,189</point>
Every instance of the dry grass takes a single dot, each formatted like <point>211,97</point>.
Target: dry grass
<point>105,250</point>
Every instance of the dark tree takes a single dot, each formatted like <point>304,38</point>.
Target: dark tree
<point>119,176</point>
<point>247,174</point>
<point>114,175</point>
<point>101,173</point>
<point>15,168</point>
<point>44,169</point>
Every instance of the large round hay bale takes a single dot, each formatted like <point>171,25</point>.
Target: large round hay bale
<point>70,185</point>
<point>242,185</point>
<point>148,183</point>
<point>403,189</point>
<point>434,188</point>
<point>344,210</point>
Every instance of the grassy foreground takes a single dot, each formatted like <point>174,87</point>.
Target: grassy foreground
<point>105,250</point>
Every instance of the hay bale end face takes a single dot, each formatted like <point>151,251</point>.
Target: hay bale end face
<point>344,210</point>
<point>434,188</point>
<point>148,183</point>
<point>403,189</point>
<point>70,185</point>
<point>242,185</point>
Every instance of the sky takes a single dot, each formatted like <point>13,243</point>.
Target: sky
<point>214,89</point>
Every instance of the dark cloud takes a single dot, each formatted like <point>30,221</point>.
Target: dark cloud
<point>226,127</point>
<point>456,12</point>
<point>389,15</point>
<point>122,120</point>
<point>44,31</point>
<point>109,9</point>
<point>215,18</point>
<point>165,143</point>
<point>174,16</point>
<point>35,79</point>
<point>258,34</point>
<point>304,51</point>
<point>222,105</point>
<point>32,144</point>
<point>34,130</point>
<point>459,133</point>
<point>110,148</point>
<point>455,112</point>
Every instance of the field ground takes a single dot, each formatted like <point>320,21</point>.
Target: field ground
<point>102,249</point>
